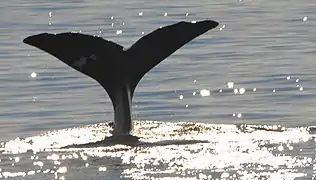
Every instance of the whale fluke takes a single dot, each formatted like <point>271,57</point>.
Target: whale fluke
<point>116,69</point>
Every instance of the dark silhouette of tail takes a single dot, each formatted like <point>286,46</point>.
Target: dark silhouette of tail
<point>116,69</point>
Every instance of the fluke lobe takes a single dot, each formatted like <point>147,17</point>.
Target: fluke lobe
<point>116,69</point>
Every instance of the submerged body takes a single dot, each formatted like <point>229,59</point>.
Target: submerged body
<point>116,69</point>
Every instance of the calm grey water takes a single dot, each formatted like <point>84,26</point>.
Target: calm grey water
<point>266,48</point>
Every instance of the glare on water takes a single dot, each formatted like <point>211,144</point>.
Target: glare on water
<point>238,152</point>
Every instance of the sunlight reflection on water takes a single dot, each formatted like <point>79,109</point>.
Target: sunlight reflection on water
<point>234,152</point>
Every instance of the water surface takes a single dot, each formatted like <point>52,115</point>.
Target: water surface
<point>266,48</point>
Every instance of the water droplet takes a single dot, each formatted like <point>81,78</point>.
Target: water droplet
<point>84,157</point>
<point>205,92</point>
<point>119,31</point>
<point>102,168</point>
<point>140,14</point>
<point>38,163</point>
<point>291,148</point>
<point>166,14</point>
<point>301,88</point>
<point>254,89</point>
<point>181,97</point>
<point>242,90</point>
<point>221,90</point>
<point>304,18</point>
<point>53,157</point>
<point>62,169</point>
<point>123,23</point>
<point>235,91</point>
<point>33,74</point>
<point>31,173</point>
<point>288,78</point>
<point>187,106</point>
<point>194,81</point>
<point>186,14</point>
<point>143,32</point>
<point>239,115</point>
<point>112,17</point>
<point>222,27</point>
<point>50,14</point>
<point>273,90</point>
<point>230,85</point>
<point>194,93</point>
<point>280,148</point>
<point>297,80</point>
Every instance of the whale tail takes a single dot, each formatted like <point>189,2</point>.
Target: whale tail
<point>116,69</point>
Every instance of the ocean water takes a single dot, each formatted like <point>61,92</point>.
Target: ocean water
<point>238,102</point>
